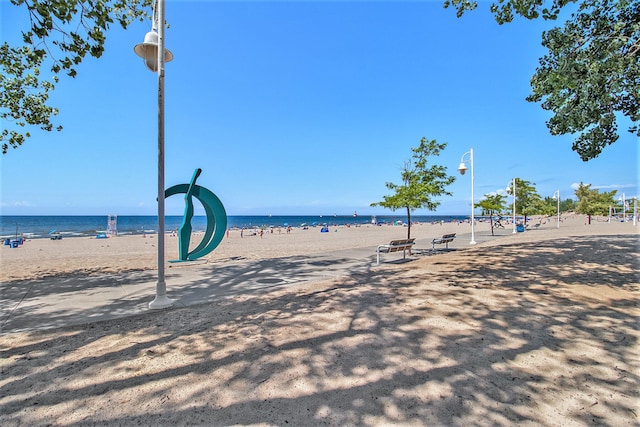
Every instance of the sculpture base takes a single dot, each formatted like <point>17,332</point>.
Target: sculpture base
<point>188,261</point>
<point>161,301</point>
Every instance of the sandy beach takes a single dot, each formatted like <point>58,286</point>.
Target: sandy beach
<point>85,255</point>
<point>534,328</point>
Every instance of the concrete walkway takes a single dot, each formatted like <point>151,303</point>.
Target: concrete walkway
<point>72,300</point>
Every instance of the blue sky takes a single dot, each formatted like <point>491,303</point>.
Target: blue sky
<point>300,108</point>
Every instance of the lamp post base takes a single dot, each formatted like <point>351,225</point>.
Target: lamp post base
<point>161,301</point>
<point>473,242</point>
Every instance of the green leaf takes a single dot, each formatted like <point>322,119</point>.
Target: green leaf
<point>62,33</point>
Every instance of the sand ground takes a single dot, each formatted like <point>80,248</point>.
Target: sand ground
<point>535,328</point>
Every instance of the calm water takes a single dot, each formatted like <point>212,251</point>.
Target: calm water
<point>41,226</point>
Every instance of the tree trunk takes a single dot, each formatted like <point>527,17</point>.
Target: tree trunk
<point>491,221</point>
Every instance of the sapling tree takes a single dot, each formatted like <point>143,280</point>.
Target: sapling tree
<point>491,204</point>
<point>422,182</point>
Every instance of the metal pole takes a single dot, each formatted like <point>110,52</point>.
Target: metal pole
<point>514,206</point>
<point>161,300</point>
<point>558,209</point>
<point>473,240</point>
<point>635,210</point>
<point>624,208</point>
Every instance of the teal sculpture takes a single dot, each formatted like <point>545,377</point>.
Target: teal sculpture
<point>216,219</point>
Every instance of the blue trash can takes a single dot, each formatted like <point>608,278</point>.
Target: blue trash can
<point>7,242</point>
<point>520,228</point>
<point>14,243</point>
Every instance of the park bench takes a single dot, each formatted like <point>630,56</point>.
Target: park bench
<point>444,240</point>
<point>395,246</point>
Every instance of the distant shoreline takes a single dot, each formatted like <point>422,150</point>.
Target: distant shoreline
<point>35,226</point>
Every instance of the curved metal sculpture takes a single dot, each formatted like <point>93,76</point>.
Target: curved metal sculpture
<point>216,219</point>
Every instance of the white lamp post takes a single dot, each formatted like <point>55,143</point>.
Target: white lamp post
<point>462,169</point>
<point>556,196</point>
<point>155,55</point>
<point>635,210</point>
<point>624,207</point>
<point>511,189</point>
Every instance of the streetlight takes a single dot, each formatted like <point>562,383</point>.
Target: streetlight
<point>462,169</point>
<point>624,207</point>
<point>556,196</point>
<point>155,55</point>
<point>511,189</point>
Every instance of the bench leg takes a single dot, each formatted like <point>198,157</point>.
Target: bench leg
<point>378,257</point>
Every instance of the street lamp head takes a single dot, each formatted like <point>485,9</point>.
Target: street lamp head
<point>508,189</point>
<point>462,168</point>
<point>148,50</point>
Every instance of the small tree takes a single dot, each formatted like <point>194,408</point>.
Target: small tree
<point>528,201</point>
<point>491,204</point>
<point>421,182</point>
<point>592,202</point>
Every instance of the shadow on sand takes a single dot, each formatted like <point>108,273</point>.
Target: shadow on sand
<point>539,333</point>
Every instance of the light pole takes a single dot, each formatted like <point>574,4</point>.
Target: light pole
<point>556,196</point>
<point>511,189</point>
<point>624,207</point>
<point>635,210</point>
<point>462,169</point>
<point>155,55</point>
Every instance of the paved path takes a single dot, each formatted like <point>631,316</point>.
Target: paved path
<point>71,300</point>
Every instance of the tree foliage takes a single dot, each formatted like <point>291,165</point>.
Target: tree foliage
<point>421,182</point>
<point>549,206</point>
<point>61,34</point>
<point>593,202</point>
<point>490,205</point>
<point>567,205</point>
<point>528,201</point>
<point>591,73</point>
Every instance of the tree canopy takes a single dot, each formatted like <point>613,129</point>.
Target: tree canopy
<point>590,76</point>
<point>593,202</point>
<point>61,35</point>
<point>421,182</point>
<point>528,201</point>
<point>490,205</point>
